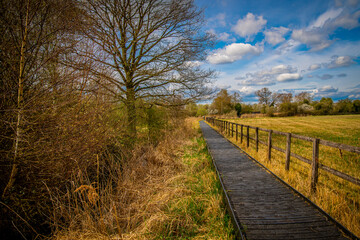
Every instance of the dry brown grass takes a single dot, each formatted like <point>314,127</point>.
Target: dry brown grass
<point>163,192</point>
<point>339,198</point>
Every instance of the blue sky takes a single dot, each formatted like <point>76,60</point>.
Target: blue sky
<point>286,46</point>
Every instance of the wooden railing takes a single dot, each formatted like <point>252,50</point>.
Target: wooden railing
<point>231,128</point>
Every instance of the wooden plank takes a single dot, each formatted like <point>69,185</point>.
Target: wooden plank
<point>309,139</point>
<point>278,132</point>
<point>237,132</point>
<point>340,174</point>
<point>279,149</point>
<point>247,136</point>
<point>257,139</point>
<point>340,146</point>
<point>264,129</point>
<point>315,165</point>
<point>264,143</point>
<point>242,133</point>
<point>269,145</point>
<point>301,158</point>
<point>288,151</point>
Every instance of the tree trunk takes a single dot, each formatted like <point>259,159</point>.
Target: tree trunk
<point>131,113</point>
<point>18,130</point>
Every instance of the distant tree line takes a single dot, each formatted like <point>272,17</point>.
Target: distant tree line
<point>280,104</point>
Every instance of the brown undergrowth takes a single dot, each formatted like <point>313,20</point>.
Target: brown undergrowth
<point>168,191</point>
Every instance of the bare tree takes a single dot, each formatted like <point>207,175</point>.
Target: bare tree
<point>148,49</point>
<point>278,98</point>
<point>303,97</point>
<point>32,38</point>
<point>236,98</point>
<point>264,95</point>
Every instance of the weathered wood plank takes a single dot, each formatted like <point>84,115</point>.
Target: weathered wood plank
<point>269,145</point>
<point>309,139</point>
<point>305,160</point>
<point>315,165</point>
<point>340,146</point>
<point>340,174</point>
<point>247,136</point>
<point>288,151</point>
<point>257,139</point>
<point>279,149</point>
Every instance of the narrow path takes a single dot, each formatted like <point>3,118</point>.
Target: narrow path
<point>264,207</point>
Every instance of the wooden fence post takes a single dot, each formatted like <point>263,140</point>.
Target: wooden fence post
<point>257,139</point>
<point>232,130</point>
<point>315,165</point>
<point>242,133</point>
<point>288,150</point>
<point>269,145</point>
<point>247,137</point>
<point>237,132</point>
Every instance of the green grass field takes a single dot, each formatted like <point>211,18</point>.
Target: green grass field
<point>341,199</point>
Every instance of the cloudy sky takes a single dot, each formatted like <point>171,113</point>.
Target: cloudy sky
<point>286,46</point>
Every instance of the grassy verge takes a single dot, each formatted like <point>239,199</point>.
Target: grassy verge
<point>167,192</point>
<point>337,197</point>
<point>199,212</point>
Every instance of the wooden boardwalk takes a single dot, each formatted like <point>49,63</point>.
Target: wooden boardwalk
<point>263,206</point>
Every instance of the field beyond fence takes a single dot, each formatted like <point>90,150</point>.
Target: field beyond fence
<point>301,161</point>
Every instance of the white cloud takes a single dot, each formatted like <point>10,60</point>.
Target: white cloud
<point>287,47</point>
<point>327,89</point>
<point>234,52</point>
<point>288,77</point>
<point>247,91</point>
<point>326,17</point>
<point>267,77</point>
<point>312,38</point>
<point>282,69</point>
<point>218,19</point>
<point>326,76</point>
<point>193,64</point>
<point>223,86</point>
<point>275,35</point>
<point>347,21</point>
<point>225,37</point>
<point>314,67</point>
<point>249,25</point>
<point>341,61</point>
<point>257,81</point>
<point>316,35</point>
<point>355,96</point>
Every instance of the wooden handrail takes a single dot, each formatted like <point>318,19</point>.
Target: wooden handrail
<point>228,128</point>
